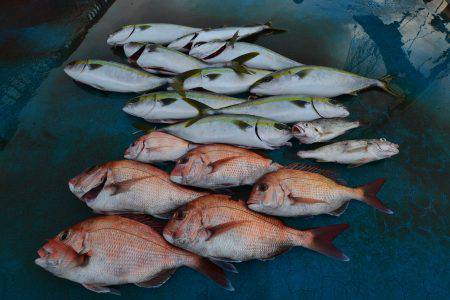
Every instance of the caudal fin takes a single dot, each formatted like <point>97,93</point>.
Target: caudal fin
<point>321,240</point>
<point>213,271</point>
<point>369,197</point>
<point>385,85</point>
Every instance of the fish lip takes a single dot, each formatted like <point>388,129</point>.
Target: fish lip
<point>298,131</point>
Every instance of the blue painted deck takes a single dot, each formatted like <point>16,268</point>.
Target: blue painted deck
<point>51,129</point>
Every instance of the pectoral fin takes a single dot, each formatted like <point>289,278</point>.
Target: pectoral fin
<point>220,229</point>
<point>158,280</point>
<point>219,163</point>
<point>123,186</point>
<point>340,210</point>
<point>101,289</point>
<point>359,163</point>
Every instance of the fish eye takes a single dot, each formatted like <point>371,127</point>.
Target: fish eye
<point>306,124</point>
<point>262,187</point>
<point>64,235</point>
<point>183,160</point>
<point>383,139</point>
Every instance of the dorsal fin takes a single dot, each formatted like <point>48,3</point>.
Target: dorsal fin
<point>157,225</point>
<point>313,169</point>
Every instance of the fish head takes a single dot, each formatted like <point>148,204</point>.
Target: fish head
<point>326,108</point>
<point>184,227</point>
<point>306,132</point>
<point>75,68</point>
<point>272,133</point>
<point>141,106</point>
<point>267,194</point>
<point>188,167</point>
<point>382,148</point>
<point>87,185</point>
<point>120,36</point>
<point>204,51</point>
<point>58,258</point>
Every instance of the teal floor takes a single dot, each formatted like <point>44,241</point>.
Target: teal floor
<point>51,129</point>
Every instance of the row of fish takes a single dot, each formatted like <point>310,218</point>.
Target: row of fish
<point>209,136</point>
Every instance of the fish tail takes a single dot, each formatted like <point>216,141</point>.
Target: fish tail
<point>369,195</point>
<point>385,85</point>
<point>211,270</point>
<point>321,240</point>
<point>273,30</point>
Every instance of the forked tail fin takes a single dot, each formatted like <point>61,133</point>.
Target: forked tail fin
<point>369,197</point>
<point>385,85</point>
<point>211,270</point>
<point>321,240</point>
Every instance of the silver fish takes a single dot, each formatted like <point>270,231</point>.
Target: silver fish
<point>222,52</point>
<point>170,106</point>
<point>317,81</point>
<point>353,152</point>
<point>158,33</point>
<point>322,130</point>
<point>159,59</point>
<point>216,34</point>
<point>220,80</point>
<point>287,109</point>
<point>113,77</point>
<point>241,130</point>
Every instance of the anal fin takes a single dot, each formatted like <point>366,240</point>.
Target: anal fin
<point>158,280</point>
<point>101,289</point>
<point>340,210</point>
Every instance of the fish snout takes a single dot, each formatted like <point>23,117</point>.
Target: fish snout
<point>298,130</point>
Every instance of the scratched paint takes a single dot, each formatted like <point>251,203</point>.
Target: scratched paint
<point>52,128</point>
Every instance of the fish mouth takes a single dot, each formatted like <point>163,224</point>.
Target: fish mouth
<point>298,131</point>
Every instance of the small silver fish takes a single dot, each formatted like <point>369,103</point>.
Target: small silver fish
<point>317,81</point>
<point>353,152</point>
<point>322,130</point>
<point>113,77</point>
<point>158,33</point>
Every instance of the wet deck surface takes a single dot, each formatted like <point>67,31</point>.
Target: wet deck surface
<point>51,129</point>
